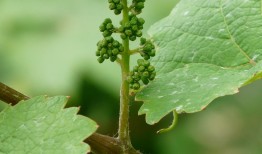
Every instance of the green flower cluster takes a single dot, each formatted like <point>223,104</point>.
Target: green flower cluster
<point>147,49</point>
<point>143,72</point>
<point>130,29</point>
<point>108,48</point>
<point>115,5</point>
<point>137,6</point>
<point>107,27</point>
<point>133,28</point>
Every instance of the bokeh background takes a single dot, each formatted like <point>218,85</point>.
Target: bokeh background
<point>48,47</point>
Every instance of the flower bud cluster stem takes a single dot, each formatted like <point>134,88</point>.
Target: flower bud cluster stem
<point>130,29</point>
<point>123,128</point>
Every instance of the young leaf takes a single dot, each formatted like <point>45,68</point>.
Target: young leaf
<point>41,125</point>
<point>206,49</point>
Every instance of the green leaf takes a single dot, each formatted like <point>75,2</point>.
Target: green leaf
<point>206,49</point>
<point>41,125</point>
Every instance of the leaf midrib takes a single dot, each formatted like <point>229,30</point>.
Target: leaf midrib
<point>232,39</point>
<point>231,36</point>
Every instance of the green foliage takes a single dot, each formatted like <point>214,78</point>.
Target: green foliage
<point>206,50</point>
<point>41,125</point>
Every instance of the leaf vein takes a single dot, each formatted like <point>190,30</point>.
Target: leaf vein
<point>231,36</point>
<point>261,7</point>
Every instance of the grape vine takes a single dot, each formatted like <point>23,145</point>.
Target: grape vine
<point>130,29</point>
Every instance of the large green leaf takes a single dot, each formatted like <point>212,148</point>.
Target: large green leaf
<point>41,125</point>
<point>206,49</point>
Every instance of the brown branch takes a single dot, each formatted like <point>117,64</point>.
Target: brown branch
<point>104,144</point>
<point>10,95</point>
<point>99,143</point>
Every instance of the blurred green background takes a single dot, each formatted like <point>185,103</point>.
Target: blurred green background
<point>48,47</point>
